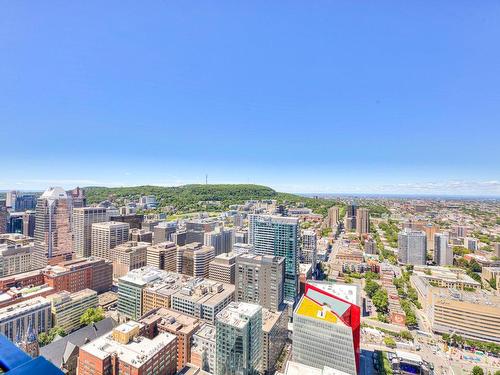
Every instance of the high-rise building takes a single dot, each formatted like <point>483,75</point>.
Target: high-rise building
<point>125,351</point>
<point>52,225</point>
<point>260,279</point>
<point>128,256</point>
<point>29,223</point>
<point>203,351</point>
<point>223,267</point>
<point>78,197</point>
<point>326,327</point>
<point>10,199</point>
<point>471,243</point>
<point>106,236</point>
<point>15,222</point>
<point>430,230</point>
<point>83,218</point>
<point>362,221</point>
<point>15,319</point>
<point>25,202</point>
<point>163,231</point>
<point>193,259</point>
<point>4,214</point>
<point>412,247</point>
<point>221,240</point>
<point>141,235</point>
<point>15,259</point>
<point>459,231</point>
<point>162,255</point>
<point>279,236</point>
<point>239,340</point>
<point>240,236</point>
<point>274,337</point>
<point>333,216</point>
<point>67,308</point>
<point>350,218</point>
<point>180,325</point>
<point>309,251</point>
<point>370,246</point>
<point>443,253</point>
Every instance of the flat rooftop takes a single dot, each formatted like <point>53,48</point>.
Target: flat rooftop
<point>348,292</point>
<point>207,332</point>
<point>236,314</point>
<point>19,308</point>
<point>137,352</point>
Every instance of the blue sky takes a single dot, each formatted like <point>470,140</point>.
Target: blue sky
<point>323,96</point>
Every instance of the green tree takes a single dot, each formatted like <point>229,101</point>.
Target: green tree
<point>381,301</point>
<point>92,315</point>
<point>46,338</point>
<point>371,288</point>
<point>476,370</point>
<point>390,342</point>
<point>406,335</point>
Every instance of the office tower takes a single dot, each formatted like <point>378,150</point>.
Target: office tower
<point>15,259</point>
<point>471,243</point>
<point>459,231</point>
<point>3,217</point>
<point>83,218</point>
<point>362,221</point>
<point>52,225</point>
<point>276,235</point>
<point>133,220</point>
<point>370,246</point>
<point>179,238</point>
<point>238,220</point>
<point>128,256</point>
<point>180,325</point>
<point>223,267</point>
<point>78,197</point>
<point>193,259</point>
<point>162,255</point>
<point>333,216</point>
<point>141,235</point>
<point>67,308</point>
<point>239,340</point>
<point>220,239</point>
<point>240,236</point>
<point>260,279</point>
<point>443,253</point>
<point>10,199</point>
<point>125,351</point>
<point>163,231</point>
<point>326,327</point>
<point>15,222</point>
<point>15,319</point>
<point>430,230</point>
<point>106,236</point>
<point>29,223</point>
<point>203,351</point>
<point>309,249</point>
<point>351,210</point>
<point>412,247</point>
<point>274,337</point>
<point>25,202</point>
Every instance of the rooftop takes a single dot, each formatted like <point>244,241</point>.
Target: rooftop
<point>135,353</point>
<point>347,292</point>
<point>19,308</point>
<point>207,331</point>
<point>236,314</point>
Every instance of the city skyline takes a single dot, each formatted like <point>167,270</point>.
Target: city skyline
<point>332,98</point>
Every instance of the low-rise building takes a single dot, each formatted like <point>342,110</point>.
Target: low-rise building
<point>127,352</point>
<point>444,277</point>
<point>67,308</point>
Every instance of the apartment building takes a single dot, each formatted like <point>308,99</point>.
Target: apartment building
<point>106,236</point>
<point>223,268</point>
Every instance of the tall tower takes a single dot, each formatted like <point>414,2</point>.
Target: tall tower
<point>52,225</point>
<point>362,221</point>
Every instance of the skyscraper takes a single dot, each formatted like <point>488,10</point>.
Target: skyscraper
<point>280,236</point>
<point>309,247</point>
<point>239,339</point>
<point>83,218</point>
<point>326,327</point>
<point>259,279</point>
<point>412,247</point>
<point>443,253</point>
<point>78,197</point>
<point>29,223</point>
<point>10,199</point>
<point>362,221</point>
<point>333,216</point>
<point>194,259</point>
<point>52,224</point>
<point>3,217</point>
<point>107,235</point>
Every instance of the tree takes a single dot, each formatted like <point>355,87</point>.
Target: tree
<point>476,370</point>
<point>498,371</point>
<point>46,338</point>
<point>92,315</point>
<point>381,301</point>
<point>371,288</point>
<point>406,335</point>
<point>390,342</point>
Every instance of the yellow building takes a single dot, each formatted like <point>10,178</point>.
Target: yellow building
<point>67,308</point>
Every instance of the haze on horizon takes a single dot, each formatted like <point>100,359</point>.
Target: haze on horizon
<point>343,97</point>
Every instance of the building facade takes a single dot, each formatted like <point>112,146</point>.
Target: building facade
<point>83,218</point>
<point>106,236</point>
<point>412,247</point>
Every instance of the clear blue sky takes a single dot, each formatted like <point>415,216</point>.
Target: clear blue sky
<point>322,96</point>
